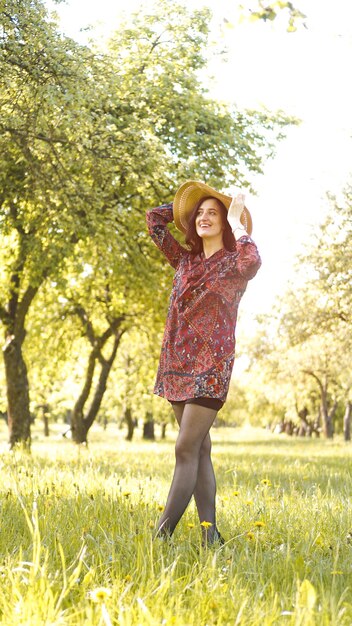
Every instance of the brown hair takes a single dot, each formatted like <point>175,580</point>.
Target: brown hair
<point>192,238</point>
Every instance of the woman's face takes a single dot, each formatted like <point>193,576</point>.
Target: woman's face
<point>209,220</point>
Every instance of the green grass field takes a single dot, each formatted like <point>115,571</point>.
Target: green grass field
<point>77,534</point>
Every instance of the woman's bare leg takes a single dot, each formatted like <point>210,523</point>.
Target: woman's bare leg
<point>193,469</point>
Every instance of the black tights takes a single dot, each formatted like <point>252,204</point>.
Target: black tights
<point>194,473</point>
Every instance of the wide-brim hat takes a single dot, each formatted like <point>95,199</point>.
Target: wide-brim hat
<point>191,192</point>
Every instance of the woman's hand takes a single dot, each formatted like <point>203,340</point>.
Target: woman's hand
<point>234,216</point>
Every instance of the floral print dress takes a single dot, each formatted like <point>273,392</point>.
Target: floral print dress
<point>198,348</point>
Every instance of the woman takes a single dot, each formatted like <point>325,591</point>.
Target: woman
<point>197,353</point>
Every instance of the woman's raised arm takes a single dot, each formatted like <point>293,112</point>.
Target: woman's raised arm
<point>157,222</point>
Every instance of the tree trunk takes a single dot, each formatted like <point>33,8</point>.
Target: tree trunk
<point>106,366</point>
<point>46,425</point>
<point>347,422</point>
<point>130,423</point>
<point>148,427</point>
<point>328,419</point>
<point>19,418</point>
<point>45,415</point>
<point>317,423</point>
<point>80,423</point>
<point>78,427</point>
<point>163,430</point>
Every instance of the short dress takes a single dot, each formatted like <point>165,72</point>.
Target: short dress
<point>198,348</point>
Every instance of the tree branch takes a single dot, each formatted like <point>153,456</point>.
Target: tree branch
<point>87,324</point>
<point>310,373</point>
<point>40,136</point>
<point>101,386</point>
<point>23,307</point>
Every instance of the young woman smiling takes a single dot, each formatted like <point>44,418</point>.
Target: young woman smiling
<point>198,349</point>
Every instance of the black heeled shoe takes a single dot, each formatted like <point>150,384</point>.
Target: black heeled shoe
<point>218,537</point>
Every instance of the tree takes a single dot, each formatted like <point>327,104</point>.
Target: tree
<point>54,120</point>
<point>322,307</point>
<point>89,140</point>
<point>310,348</point>
<point>44,99</point>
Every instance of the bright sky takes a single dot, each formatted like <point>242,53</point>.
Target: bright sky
<point>307,74</point>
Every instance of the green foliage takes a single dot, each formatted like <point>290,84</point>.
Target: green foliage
<point>44,110</point>
<point>302,352</point>
<point>271,11</point>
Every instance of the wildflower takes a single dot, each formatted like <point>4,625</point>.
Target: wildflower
<point>249,502</point>
<point>250,536</point>
<point>266,482</point>
<point>190,525</point>
<point>236,493</point>
<point>128,578</point>
<point>259,524</point>
<point>206,524</point>
<point>160,507</point>
<point>126,493</point>
<point>100,594</point>
<point>151,524</point>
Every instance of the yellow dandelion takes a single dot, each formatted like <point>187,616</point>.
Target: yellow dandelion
<point>190,525</point>
<point>266,482</point>
<point>160,507</point>
<point>126,493</point>
<point>100,594</point>
<point>128,578</point>
<point>236,493</point>
<point>250,536</point>
<point>206,524</point>
<point>249,502</point>
<point>259,524</point>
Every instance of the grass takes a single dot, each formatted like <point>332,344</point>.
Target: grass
<point>77,527</point>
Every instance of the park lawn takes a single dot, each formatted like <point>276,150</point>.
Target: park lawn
<point>77,530</point>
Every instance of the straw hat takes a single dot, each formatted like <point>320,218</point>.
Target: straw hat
<point>190,193</point>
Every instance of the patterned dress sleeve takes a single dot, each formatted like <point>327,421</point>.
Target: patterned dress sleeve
<point>248,259</point>
<point>157,221</point>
